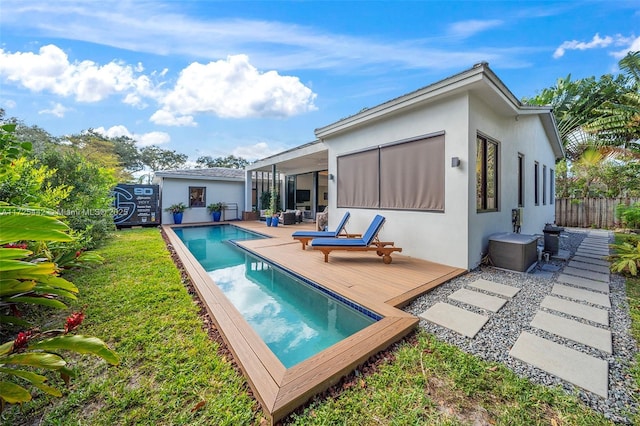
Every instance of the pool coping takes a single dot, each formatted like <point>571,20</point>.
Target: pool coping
<point>281,390</point>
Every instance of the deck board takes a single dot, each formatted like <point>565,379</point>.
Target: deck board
<point>359,276</point>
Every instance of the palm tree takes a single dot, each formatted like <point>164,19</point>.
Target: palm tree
<point>617,124</point>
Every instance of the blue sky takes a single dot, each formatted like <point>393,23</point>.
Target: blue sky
<point>255,78</point>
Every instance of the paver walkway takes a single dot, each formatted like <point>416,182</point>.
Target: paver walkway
<point>576,312</point>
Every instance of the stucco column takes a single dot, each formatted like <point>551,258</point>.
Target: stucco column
<point>248,191</point>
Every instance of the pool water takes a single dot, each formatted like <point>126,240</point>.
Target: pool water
<point>295,319</point>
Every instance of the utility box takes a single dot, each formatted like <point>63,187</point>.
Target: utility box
<point>516,252</point>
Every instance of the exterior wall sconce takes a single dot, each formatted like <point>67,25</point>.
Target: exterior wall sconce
<point>331,177</point>
<point>455,161</point>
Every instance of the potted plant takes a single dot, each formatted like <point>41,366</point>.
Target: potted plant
<point>267,216</point>
<point>273,205</point>
<point>177,210</point>
<point>216,210</point>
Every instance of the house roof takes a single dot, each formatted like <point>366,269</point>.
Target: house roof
<point>310,156</point>
<point>214,173</point>
<point>479,79</point>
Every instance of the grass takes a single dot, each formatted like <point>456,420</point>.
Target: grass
<point>173,373</point>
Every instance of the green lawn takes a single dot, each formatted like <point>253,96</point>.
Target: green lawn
<point>173,373</point>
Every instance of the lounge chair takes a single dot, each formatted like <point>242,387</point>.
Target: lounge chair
<point>368,242</point>
<point>305,236</point>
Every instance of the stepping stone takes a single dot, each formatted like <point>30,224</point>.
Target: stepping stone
<point>579,272</point>
<point>481,300</point>
<point>599,234</point>
<point>602,269</point>
<point>595,240</point>
<point>601,316</point>
<point>584,283</point>
<point>491,287</point>
<point>589,335</point>
<point>454,318</point>
<point>591,255</point>
<point>581,294</point>
<point>580,369</point>
<point>601,252</point>
<point>590,260</point>
<point>594,247</point>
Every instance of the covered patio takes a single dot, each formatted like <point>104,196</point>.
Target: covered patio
<point>299,175</point>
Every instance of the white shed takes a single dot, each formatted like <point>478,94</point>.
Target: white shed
<point>197,188</point>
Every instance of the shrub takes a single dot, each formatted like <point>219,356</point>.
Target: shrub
<point>36,283</point>
<point>629,216</point>
<point>626,258</point>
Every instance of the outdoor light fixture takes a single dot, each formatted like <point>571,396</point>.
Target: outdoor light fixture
<point>331,177</point>
<point>455,162</point>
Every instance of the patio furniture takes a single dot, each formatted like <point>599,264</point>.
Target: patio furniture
<point>368,242</point>
<point>305,236</point>
<point>288,218</point>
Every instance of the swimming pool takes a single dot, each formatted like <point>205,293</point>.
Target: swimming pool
<point>297,319</point>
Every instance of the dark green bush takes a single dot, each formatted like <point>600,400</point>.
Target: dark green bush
<point>629,216</point>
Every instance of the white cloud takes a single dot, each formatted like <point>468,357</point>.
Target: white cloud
<point>254,152</point>
<point>471,27</point>
<point>153,138</point>
<point>145,139</point>
<point>632,44</point>
<point>233,88</point>
<point>169,118</point>
<point>58,110</point>
<point>125,25</point>
<point>596,42</point>
<point>50,70</point>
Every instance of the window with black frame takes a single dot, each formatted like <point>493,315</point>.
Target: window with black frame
<point>197,196</point>
<point>486,174</point>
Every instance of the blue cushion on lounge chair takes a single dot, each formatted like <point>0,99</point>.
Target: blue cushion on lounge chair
<point>339,242</point>
<point>324,234</point>
<point>315,234</point>
<point>365,241</point>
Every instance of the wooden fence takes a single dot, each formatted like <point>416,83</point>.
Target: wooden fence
<point>589,212</point>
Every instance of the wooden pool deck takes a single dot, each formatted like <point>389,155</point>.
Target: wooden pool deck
<point>359,276</point>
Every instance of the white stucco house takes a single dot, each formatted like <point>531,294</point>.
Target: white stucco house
<point>445,165</point>
<point>197,188</point>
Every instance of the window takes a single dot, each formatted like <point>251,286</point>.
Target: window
<point>544,185</point>
<point>407,175</point>
<point>552,189</point>
<point>197,196</point>
<point>358,181</point>
<point>486,174</point>
<point>536,184</point>
<point>520,180</point>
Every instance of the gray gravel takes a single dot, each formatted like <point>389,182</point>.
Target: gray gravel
<point>496,338</point>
